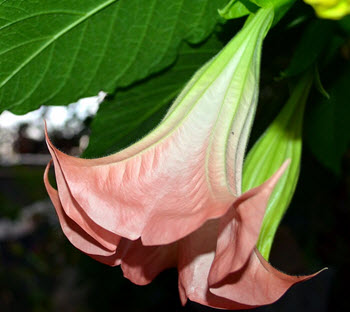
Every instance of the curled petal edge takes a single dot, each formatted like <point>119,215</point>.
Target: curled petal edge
<point>257,283</point>
<point>159,224</point>
<point>239,228</point>
<point>75,234</point>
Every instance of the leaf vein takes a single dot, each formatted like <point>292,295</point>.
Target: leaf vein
<point>139,43</point>
<point>39,14</point>
<point>55,37</point>
<point>74,58</point>
<point>105,44</point>
<point>171,37</point>
<point>22,44</point>
<point>30,93</point>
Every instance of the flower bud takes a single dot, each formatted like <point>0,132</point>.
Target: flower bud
<point>282,140</point>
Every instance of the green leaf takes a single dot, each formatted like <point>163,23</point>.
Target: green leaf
<point>312,43</point>
<point>345,23</point>
<point>281,7</point>
<point>282,140</point>
<point>138,109</point>
<point>238,8</point>
<point>55,52</point>
<point>319,85</point>
<point>328,125</point>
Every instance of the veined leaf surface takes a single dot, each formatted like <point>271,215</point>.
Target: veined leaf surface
<point>55,52</point>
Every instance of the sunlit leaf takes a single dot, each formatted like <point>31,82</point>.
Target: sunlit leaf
<point>55,52</point>
<point>238,8</point>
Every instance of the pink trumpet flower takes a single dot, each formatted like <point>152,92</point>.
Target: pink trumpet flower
<point>173,199</point>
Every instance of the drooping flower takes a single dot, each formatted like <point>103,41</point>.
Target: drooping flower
<point>174,199</point>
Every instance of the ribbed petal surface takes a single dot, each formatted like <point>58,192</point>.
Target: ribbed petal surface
<point>239,229</point>
<point>72,208</point>
<point>256,283</point>
<point>161,194</point>
<point>76,235</point>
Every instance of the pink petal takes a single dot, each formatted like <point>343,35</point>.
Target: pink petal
<point>239,229</point>
<point>141,264</point>
<point>256,283</point>
<point>196,254</point>
<point>75,212</point>
<point>76,235</point>
<point>160,194</point>
<point>164,186</point>
<point>112,260</point>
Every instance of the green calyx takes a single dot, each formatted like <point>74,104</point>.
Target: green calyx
<point>282,140</point>
<point>238,8</point>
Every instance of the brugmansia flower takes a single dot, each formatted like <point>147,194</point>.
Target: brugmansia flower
<point>174,199</point>
<point>332,9</point>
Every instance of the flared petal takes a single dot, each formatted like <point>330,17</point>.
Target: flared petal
<point>196,254</point>
<point>239,229</point>
<point>256,283</point>
<point>141,264</point>
<point>137,197</point>
<point>112,260</point>
<point>72,208</point>
<point>75,234</point>
<point>164,187</point>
